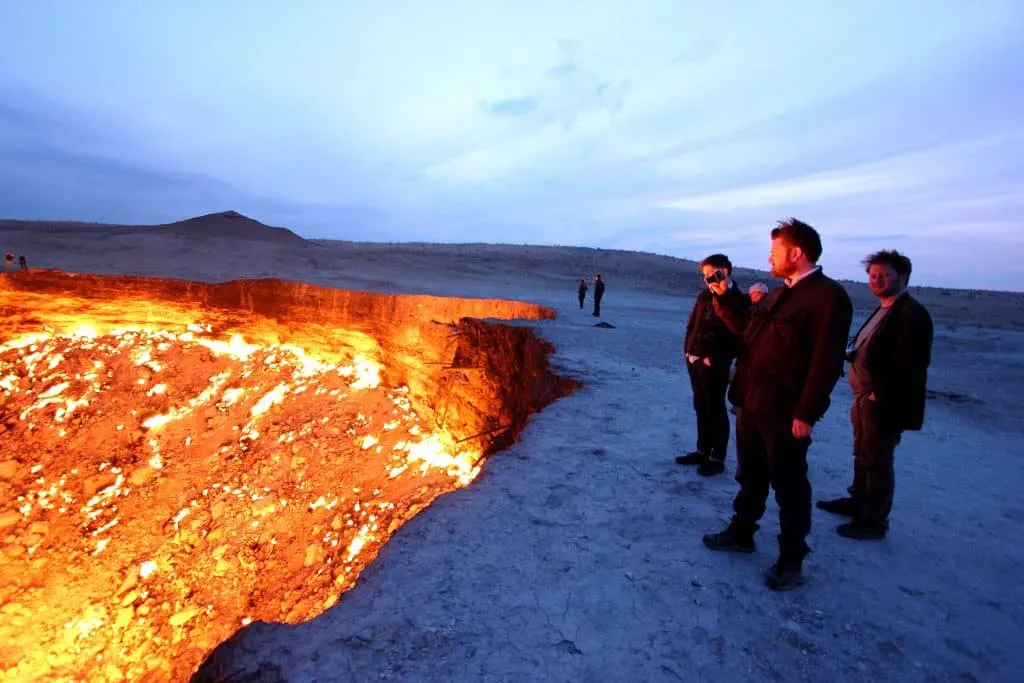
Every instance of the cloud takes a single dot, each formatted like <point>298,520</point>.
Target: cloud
<point>808,189</point>
<point>58,185</point>
<point>49,172</point>
<point>571,99</point>
<point>537,120</point>
<point>953,167</point>
<point>513,106</point>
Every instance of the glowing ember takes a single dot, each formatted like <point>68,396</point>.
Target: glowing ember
<point>239,455</point>
<point>157,403</point>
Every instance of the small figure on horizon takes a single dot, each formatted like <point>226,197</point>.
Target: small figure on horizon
<point>9,261</point>
<point>889,358</point>
<point>22,263</point>
<point>581,291</point>
<point>757,291</point>
<point>598,293</point>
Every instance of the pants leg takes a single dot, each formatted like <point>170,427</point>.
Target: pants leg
<point>716,385</point>
<point>699,392</point>
<point>597,306</point>
<point>859,486</point>
<point>877,455</point>
<point>787,457</point>
<point>753,473</point>
<point>710,383</point>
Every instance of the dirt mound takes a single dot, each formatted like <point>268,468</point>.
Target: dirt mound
<point>231,225</point>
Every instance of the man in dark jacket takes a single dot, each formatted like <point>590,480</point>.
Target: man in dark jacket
<point>794,348</point>
<point>598,294</point>
<point>889,360</point>
<point>710,347</point>
<point>581,292</point>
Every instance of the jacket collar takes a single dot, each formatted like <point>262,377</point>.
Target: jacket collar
<point>790,282</point>
<point>897,304</point>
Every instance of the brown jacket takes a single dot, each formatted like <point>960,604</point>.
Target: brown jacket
<point>794,347</point>
<point>898,356</point>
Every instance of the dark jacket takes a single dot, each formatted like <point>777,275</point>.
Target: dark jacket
<point>794,347</point>
<point>707,335</point>
<point>898,356</point>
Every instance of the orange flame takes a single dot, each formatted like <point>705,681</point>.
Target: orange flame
<point>63,383</point>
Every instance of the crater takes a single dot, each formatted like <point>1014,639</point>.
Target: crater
<point>179,459</point>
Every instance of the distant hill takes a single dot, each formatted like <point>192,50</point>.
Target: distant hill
<point>231,225</point>
<point>225,224</point>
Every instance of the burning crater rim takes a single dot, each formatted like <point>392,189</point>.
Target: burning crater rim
<point>272,537</point>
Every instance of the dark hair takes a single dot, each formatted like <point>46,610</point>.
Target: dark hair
<point>892,258</point>
<point>796,233</point>
<point>718,261</point>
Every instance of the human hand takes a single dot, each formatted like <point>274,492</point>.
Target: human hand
<point>721,286</point>
<point>801,429</point>
<point>707,362</point>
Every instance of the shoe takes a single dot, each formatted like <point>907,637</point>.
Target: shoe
<point>847,507</point>
<point>787,572</point>
<point>731,540</point>
<point>692,458</point>
<point>784,575</point>
<point>863,530</point>
<point>710,467</point>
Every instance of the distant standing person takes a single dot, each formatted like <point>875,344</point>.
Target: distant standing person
<point>22,262</point>
<point>758,291</point>
<point>598,293</point>
<point>794,348</point>
<point>9,261</point>
<point>889,360</point>
<point>581,292</point>
<point>710,347</point>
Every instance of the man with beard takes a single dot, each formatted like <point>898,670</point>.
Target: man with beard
<point>889,360</point>
<point>710,347</point>
<point>794,348</point>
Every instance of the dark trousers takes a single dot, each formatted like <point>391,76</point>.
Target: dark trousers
<point>597,305</point>
<point>582,297</point>
<point>767,454</point>
<point>874,448</point>
<point>709,384</point>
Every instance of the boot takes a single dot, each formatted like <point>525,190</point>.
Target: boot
<point>863,530</point>
<point>697,457</point>
<point>787,572</point>
<point>847,507</point>
<point>711,466</point>
<point>733,539</point>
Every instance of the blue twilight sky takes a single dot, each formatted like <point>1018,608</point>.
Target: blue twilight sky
<point>659,125</point>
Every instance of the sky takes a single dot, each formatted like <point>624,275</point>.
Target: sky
<point>682,128</point>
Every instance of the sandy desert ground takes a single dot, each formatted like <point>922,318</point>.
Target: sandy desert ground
<point>577,556</point>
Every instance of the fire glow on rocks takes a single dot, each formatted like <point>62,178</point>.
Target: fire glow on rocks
<point>167,482</point>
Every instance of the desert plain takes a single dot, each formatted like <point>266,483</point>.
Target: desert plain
<point>576,554</point>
